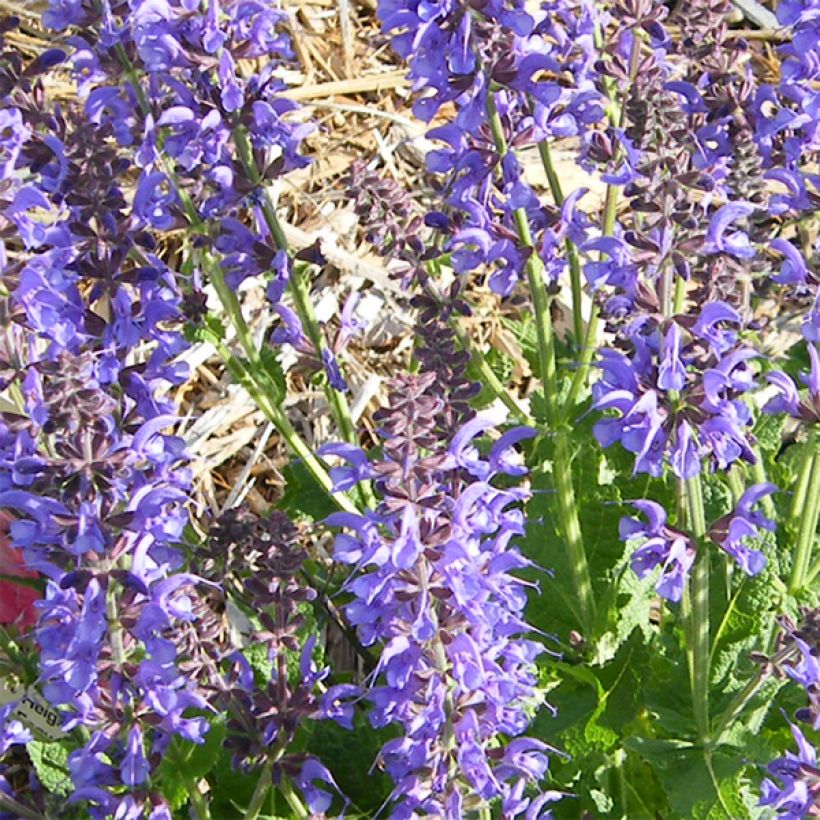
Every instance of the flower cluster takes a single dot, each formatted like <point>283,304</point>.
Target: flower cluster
<point>668,277</point>
<point>432,585</point>
<point>679,395</point>
<point>462,54</point>
<point>675,551</point>
<point>166,81</point>
<point>258,561</point>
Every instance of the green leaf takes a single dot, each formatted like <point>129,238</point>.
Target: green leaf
<point>768,431</point>
<point>257,656</point>
<point>524,331</point>
<point>184,761</point>
<point>231,788</point>
<point>303,496</point>
<point>50,761</point>
<point>272,369</point>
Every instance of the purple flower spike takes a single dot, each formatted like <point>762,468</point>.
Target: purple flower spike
<point>433,586</point>
<point>662,546</point>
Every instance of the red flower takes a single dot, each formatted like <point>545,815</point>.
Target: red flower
<point>16,601</point>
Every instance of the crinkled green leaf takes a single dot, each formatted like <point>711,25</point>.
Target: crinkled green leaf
<point>50,761</point>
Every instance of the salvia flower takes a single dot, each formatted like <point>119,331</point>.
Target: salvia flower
<point>730,532</point>
<point>788,399</point>
<point>258,561</point>
<point>798,656</point>
<point>793,790</point>
<point>661,546</point>
<point>678,397</point>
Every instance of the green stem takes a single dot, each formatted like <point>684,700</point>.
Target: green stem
<point>796,509</point>
<point>587,351</point>
<point>260,792</point>
<point>707,756</point>
<point>806,510</point>
<point>607,229</point>
<point>572,252</point>
<point>571,528</point>
<point>696,606</point>
<point>742,698</point>
<point>115,630</point>
<point>199,803</point>
<point>293,800</point>
<point>561,468</point>
<point>18,809</point>
<point>230,302</point>
<point>813,572</point>
<point>760,477</point>
<point>300,291</point>
<point>543,319</point>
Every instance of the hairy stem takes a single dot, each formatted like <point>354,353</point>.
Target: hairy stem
<point>696,608</point>
<point>198,802</point>
<point>293,799</point>
<point>115,630</point>
<point>806,511</point>
<point>260,792</point>
<point>569,523</point>
<point>18,809</point>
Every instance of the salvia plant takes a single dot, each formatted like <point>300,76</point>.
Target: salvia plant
<point>576,575</point>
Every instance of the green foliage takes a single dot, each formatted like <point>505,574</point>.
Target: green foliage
<point>304,498</point>
<point>603,482</point>
<point>501,365</point>
<point>211,329</point>
<point>231,788</point>
<point>50,761</point>
<point>351,758</point>
<point>272,372</point>
<point>185,762</point>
